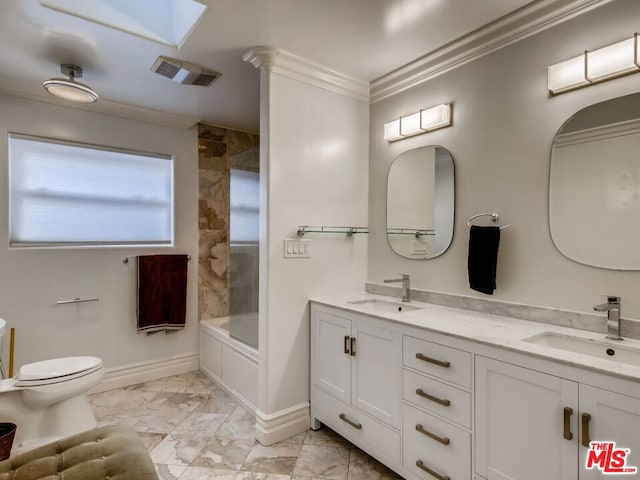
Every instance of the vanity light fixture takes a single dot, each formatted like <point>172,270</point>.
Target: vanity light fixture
<point>419,122</point>
<point>70,89</point>
<point>595,66</point>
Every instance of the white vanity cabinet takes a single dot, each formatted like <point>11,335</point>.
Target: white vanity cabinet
<point>356,377</point>
<point>532,425</point>
<point>434,405</point>
<point>436,411</point>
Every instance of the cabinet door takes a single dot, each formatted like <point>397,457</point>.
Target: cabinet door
<point>332,360</point>
<point>377,372</point>
<point>519,423</point>
<point>613,417</point>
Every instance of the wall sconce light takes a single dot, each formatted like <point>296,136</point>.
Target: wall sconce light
<point>605,63</point>
<point>419,122</point>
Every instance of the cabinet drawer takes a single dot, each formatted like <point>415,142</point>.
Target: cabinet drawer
<point>437,397</point>
<point>452,459</point>
<point>338,415</point>
<point>443,362</point>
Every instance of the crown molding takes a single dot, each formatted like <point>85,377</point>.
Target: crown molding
<point>287,64</point>
<point>16,88</point>
<point>520,24</point>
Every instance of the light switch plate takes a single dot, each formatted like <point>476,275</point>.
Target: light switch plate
<point>295,248</point>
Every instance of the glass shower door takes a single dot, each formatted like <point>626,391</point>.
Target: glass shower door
<point>244,266</point>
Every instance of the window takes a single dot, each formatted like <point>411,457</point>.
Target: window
<point>245,206</point>
<point>64,194</point>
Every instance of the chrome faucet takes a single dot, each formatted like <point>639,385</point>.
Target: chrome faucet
<point>406,286</point>
<point>613,308</point>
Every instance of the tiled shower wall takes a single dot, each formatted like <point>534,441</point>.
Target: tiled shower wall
<point>219,149</point>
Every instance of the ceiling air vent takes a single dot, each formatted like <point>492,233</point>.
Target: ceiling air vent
<point>183,72</point>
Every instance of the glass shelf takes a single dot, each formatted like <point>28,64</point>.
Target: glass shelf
<point>349,231</point>
<point>416,232</point>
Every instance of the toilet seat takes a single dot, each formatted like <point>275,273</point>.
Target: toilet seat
<point>57,370</point>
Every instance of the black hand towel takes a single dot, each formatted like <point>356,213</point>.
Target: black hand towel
<point>483,258</point>
<point>162,292</point>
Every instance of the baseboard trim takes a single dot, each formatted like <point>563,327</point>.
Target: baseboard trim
<point>134,373</point>
<point>237,396</point>
<point>275,427</point>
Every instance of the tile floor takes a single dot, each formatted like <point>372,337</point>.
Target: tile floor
<point>195,431</point>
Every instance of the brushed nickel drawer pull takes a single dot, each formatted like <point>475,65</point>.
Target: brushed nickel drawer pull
<point>442,440</point>
<point>346,344</point>
<point>441,401</point>
<point>355,425</point>
<point>353,346</point>
<point>586,418</point>
<point>568,411</point>
<point>440,363</point>
<point>420,464</point>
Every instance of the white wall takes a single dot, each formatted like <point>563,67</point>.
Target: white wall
<point>504,124</point>
<point>314,167</point>
<point>32,280</point>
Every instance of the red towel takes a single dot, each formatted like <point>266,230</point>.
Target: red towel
<point>162,292</point>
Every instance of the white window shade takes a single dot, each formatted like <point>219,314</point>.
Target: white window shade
<point>245,206</point>
<point>71,194</point>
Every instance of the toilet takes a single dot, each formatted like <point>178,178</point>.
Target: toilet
<point>47,400</point>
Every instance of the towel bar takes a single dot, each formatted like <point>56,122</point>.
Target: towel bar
<point>77,300</point>
<point>494,218</point>
<point>126,259</point>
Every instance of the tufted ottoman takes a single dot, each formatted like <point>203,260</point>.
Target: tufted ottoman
<point>106,453</point>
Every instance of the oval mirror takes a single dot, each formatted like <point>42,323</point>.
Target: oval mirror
<point>420,202</point>
<point>594,185</point>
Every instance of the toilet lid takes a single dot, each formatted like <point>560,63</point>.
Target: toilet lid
<point>57,367</point>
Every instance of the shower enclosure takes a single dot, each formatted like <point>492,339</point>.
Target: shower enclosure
<point>244,241</point>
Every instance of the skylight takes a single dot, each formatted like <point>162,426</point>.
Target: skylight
<point>164,21</point>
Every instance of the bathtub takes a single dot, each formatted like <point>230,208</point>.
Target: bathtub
<point>230,363</point>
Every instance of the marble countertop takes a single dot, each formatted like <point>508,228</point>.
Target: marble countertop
<point>496,331</point>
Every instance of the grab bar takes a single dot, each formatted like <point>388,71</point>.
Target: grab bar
<point>77,300</point>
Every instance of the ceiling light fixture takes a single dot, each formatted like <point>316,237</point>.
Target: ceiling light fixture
<point>70,89</point>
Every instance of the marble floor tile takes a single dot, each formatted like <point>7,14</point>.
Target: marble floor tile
<point>224,453</point>
<point>325,462</point>
<point>202,423</point>
<point>195,431</point>
<point>192,382</point>
<point>203,473</point>
<point>364,467</point>
<point>295,440</point>
<point>274,459</point>
<point>178,449</point>
<point>325,437</point>
<point>169,472</point>
<point>239,424</point>
<point>218,401</point>
<point>261,476</point>
<point>151,440</point>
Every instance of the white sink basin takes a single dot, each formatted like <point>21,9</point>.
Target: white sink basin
<point>384,306</point>
<point>608,350</point>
